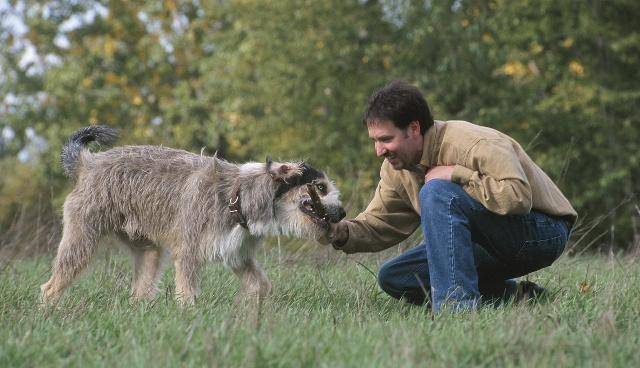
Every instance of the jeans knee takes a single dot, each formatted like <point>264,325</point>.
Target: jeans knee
<point>437,192</point>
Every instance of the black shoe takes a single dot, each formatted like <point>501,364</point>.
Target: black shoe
<point>530,291</point>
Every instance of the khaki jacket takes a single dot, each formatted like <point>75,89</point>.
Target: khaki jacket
<point>489,165</point>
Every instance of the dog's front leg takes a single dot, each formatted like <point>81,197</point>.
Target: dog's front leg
<point>187,279</point>
<point>255,283</point>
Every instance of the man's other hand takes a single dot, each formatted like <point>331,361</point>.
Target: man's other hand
<point>439,172</point>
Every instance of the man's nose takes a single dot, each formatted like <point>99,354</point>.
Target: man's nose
<point>380,150</point>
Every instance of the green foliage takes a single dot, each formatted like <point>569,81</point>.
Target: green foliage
<point>21,188</point>
<point>289,79</point>
<point>327,312</point>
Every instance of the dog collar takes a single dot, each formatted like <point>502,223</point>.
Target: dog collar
<point>235,209</point>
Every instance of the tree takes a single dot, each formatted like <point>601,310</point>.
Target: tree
<point>250,78</point>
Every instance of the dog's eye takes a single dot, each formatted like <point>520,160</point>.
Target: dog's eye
<point>322,188</point>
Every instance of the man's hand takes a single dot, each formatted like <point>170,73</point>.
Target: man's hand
<point>337,234</point>
<point>439,172</point>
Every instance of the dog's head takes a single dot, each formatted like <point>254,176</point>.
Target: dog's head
<point>296,185</point>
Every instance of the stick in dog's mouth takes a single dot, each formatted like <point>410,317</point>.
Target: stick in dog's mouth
<point>316,203</point>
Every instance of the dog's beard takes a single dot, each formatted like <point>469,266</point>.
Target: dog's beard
<point>292,221</point>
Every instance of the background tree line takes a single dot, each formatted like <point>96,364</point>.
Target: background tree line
<point>289,79</point>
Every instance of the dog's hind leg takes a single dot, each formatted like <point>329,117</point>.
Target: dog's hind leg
<point>77,246</point>
<point>148,261</point>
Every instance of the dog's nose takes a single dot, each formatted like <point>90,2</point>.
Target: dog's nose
<point>335,214</point>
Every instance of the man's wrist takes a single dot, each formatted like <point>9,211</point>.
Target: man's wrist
<point>461,175</point>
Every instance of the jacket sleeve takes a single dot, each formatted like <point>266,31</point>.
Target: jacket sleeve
<point>494,176</point>
<point>388,220</point>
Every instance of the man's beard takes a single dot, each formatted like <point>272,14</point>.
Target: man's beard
<point>397,163</point>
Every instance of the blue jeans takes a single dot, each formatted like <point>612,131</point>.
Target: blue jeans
<point>470,253</point>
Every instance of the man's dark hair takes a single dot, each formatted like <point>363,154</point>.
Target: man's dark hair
<point>400,103</point>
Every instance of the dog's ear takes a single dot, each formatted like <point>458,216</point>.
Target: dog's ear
<point>269,163</point>
<point>283,170</point>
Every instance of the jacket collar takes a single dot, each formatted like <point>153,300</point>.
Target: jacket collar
<point>430,147</point>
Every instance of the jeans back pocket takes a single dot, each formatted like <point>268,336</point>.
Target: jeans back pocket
<point>537,254</point>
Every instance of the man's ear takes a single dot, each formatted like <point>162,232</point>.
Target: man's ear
<point>414,128</point>
<point>283,170</point>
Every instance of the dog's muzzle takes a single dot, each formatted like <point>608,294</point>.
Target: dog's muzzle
<point>328,213</point>
<point>335,213</point>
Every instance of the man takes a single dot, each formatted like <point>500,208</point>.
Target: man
<point>488,212</point>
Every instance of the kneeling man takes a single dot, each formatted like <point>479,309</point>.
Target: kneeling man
<point>489,214</point>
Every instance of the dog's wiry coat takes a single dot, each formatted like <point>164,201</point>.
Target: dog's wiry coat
<point>162,201</point>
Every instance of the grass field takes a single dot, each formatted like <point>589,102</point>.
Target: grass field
<point>327,311</point>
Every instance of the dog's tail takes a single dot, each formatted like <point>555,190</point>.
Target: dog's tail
<point>79,140</point>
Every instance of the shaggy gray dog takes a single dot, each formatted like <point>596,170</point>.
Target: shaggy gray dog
<point>161,201</point>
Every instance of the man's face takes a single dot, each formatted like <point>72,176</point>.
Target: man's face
<point>402,148</point>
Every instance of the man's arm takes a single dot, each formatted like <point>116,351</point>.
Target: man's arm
<point>387,221</point>
<point>494,177</point>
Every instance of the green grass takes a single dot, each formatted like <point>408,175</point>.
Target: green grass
<point>327,311</point>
